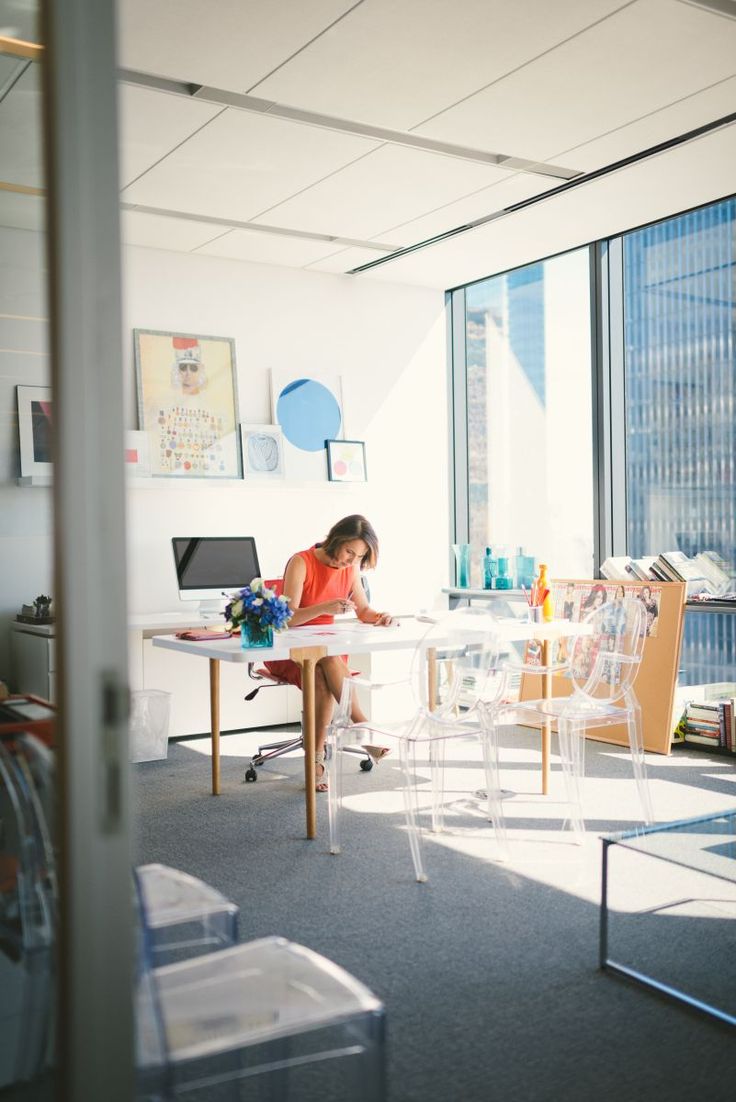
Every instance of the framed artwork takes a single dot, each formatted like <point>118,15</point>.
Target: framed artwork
<point>34,430</point>
<point>308,408</point>
<point>137,454</point>
<point>346,460</point>
<point>188,403</point>
<point>263,451</point>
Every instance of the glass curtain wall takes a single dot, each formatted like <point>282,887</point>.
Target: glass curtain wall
<point>529,422</point>
<point>680,382</point>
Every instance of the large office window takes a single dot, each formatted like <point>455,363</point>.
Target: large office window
<point>672,445</point>
<point>680,382</point>
<point>530,456</point>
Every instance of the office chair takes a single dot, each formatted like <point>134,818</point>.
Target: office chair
<point>266,680</point>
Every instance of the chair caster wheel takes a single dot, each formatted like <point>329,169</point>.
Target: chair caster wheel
<point>250,775</point>
<point>366,765</point>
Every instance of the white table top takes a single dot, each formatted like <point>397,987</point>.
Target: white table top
<point>353,637</point>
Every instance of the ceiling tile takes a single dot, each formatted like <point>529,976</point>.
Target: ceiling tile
<point>640,60</point>
<point>701,171</point>
<point>396,64</point>
<point>484,202</point>
<point>242,163</point>
<point>698,110</point>
<point>267,248</point>
<point>383,189</point>
<point>21,129</point>
<point>228,44</point>
<point>345,260</point>
<point>156,231</point>
<point>153,123</point>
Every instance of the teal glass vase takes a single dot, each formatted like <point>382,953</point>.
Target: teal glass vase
<point>462,564</point>
<point>255,634</point>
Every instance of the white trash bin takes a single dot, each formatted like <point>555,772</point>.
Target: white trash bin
<point>149,725</point>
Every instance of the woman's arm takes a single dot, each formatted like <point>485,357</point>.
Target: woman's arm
<point>363,610</point>
<point>296,572</point>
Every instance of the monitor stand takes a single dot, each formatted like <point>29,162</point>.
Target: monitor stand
<point>210,610</point>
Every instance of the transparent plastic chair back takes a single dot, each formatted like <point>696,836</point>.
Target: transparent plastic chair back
<point>604,663</point>
<point>456,664</point>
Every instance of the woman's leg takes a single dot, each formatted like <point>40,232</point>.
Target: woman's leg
<point>334,671</point>
<point>324,706</point>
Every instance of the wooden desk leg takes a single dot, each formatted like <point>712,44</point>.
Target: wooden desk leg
<point>215,723</point>
<point>547,728</point>
<point>307,657</point>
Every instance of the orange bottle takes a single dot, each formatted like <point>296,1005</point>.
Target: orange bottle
<point>541,584</point>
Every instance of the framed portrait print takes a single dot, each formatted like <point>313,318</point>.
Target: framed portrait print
<point>263,451</point>
<point>346,460</point>
<point>34,430</point>
<point>188,404</point>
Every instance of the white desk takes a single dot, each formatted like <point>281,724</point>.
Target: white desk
<point>306,646</point>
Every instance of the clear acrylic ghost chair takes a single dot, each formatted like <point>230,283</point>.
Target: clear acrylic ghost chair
<point>602,665</point>
<point>457,683</point>
<point>185,914</point>
<point>274,1013</point>
<point>27,919</point>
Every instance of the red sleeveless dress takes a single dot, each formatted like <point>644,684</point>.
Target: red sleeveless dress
<point>322,583</point>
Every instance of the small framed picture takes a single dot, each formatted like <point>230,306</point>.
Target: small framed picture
<point>346,460</point>
<point>137,454</point>
<point>263,451</point>
<point>34,430</point>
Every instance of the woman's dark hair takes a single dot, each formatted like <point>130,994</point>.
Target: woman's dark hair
<point>354,527</point>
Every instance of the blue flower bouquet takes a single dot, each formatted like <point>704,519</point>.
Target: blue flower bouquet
<point>258,611</point>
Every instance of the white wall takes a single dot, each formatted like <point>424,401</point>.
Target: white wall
<point>388,344</point>
<point>25,513</point>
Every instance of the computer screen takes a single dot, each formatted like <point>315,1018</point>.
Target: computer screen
<point>208,566</point>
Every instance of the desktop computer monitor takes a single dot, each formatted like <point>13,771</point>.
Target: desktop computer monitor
<point>210,567</point>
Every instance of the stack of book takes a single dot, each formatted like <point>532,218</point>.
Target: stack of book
<point>711,724</point>
<point>705,573</point>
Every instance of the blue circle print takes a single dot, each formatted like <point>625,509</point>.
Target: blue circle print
<point>308,413</point>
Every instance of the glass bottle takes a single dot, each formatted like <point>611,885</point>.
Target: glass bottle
<point>503,579</point>
<point>490,567</point>
<point>462,563</point>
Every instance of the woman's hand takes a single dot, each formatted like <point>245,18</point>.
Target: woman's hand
<point>384,620</point>
<point>337,606</point>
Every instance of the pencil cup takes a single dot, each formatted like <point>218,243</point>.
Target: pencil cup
<point>536,614</point>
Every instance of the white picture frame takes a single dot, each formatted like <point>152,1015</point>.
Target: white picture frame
<point>308,407</point>
<point>137,454</point>
<point>262,447</point>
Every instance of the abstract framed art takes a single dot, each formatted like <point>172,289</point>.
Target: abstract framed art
<point>308,407</point>
<point>346,460</point>
<point>34,430</point>
<point>263,451</point>
<point>188,403</point>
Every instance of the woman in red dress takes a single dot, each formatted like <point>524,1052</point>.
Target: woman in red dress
<point>321,582</point>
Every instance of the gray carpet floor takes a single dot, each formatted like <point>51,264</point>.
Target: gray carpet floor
<point>488,971</point>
